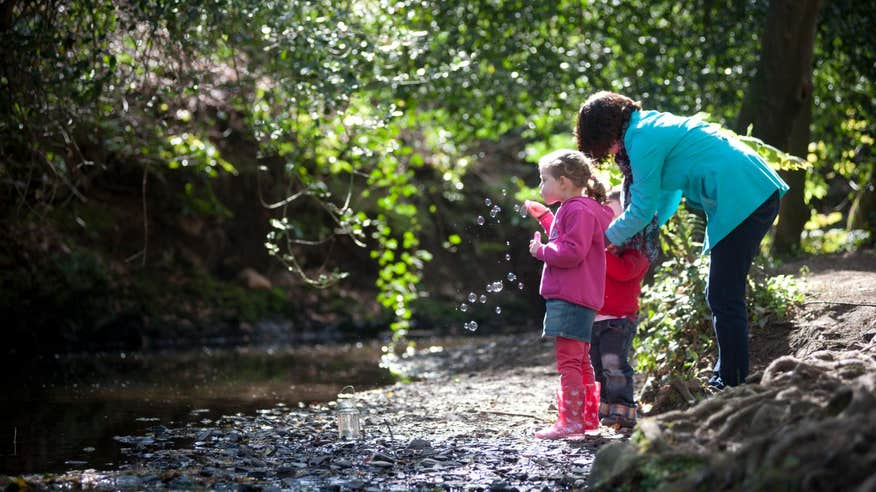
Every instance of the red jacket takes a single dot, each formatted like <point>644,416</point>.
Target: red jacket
<point>623,277</point>
<point>623,283</point>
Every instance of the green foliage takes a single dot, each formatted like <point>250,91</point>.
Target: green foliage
<point>674,330</point>
<point>339,108</point>
<point>821,236</point>
<point>834,240</point>
<point>844,114</point>
<point>675,335</point>
<point>54,297</point>
<point>771,298</point>
<point>845,159</point>
<point>228,299</point>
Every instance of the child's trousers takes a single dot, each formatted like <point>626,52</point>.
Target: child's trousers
<point>610,352</point>
<point>573,362</point>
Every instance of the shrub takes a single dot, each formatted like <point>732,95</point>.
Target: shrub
<point>675,335</point>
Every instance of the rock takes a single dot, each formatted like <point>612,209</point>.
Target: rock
<point>429,463</point>
<point>252,279</point>
<point>128,482</point>
<point>158,430</point>
<point>613,459</point>
<point>419,444</point>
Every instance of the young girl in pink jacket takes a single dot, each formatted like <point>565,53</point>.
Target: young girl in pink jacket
<point>572,283</point>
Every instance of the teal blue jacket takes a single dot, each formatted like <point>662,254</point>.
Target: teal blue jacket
<point>673,156</point>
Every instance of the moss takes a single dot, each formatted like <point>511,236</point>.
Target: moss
<point>203,298</point>
<point>664,471</point>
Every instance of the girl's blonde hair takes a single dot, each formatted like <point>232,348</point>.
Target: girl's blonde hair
<point>574,166</point>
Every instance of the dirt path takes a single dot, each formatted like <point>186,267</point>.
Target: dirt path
<point>467,422</point>
<point>840,305</point>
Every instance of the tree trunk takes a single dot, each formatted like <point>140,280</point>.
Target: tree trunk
<point>778,101</point>
<point>6,9</point>
<point>863,212</point>
<point>793,212</point>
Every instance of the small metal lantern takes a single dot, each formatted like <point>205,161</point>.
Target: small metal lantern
<point>349,426</point>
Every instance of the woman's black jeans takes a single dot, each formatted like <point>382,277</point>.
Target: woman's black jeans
<point>725,292</point>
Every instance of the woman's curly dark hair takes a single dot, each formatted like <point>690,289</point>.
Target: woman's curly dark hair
<point>600,121</point>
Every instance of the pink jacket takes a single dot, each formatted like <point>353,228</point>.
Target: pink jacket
<point>574,257</point>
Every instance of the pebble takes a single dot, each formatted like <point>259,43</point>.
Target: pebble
<point>419,444</point>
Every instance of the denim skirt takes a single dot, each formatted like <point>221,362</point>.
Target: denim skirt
<point>564,319</point>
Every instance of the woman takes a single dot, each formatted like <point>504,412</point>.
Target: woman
<point>664,157</point>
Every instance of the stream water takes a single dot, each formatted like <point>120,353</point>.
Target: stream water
<point>65,412</point>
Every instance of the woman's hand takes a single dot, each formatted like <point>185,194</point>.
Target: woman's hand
<point>535,244</point>
<point>535,209</point>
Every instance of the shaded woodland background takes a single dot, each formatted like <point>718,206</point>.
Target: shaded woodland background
<point>173,173</point>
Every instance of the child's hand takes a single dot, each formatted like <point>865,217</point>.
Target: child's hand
<point>612,249</point>
<point>535,209</point>
<point>535,243</point>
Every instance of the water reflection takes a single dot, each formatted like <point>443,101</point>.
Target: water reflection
<point>63,413</point>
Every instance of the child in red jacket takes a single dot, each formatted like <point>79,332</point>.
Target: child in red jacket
<point>615,325</point>
<point>614,328</point>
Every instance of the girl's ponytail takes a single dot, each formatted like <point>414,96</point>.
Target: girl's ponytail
<point>596,190</point>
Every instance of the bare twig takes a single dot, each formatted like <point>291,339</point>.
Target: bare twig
<point>840,303</point>
<point>512,414</point>
<point>283,202</point>
<point>389,428</point>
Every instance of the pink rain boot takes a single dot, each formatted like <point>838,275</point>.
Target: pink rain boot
<point>570,405</point>
<point>591,406</point>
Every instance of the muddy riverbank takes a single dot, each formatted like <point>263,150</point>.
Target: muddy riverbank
<point>465,421</point>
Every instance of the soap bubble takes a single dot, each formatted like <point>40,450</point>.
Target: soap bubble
<point>516,208</point>
<point>488,202</point>
<point>504,192</point>
<point>498,310</point>
<point>471,326</point>
<point>481,220</point>
<point>497,286</point>
<point>511,277</point>
<point>522,211</point>
<point>507,256</point>
<point>463,307</point>
<point>520,286</point>
<point>483,299</point>
<point>495,211</point>
<point>472,297</point>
